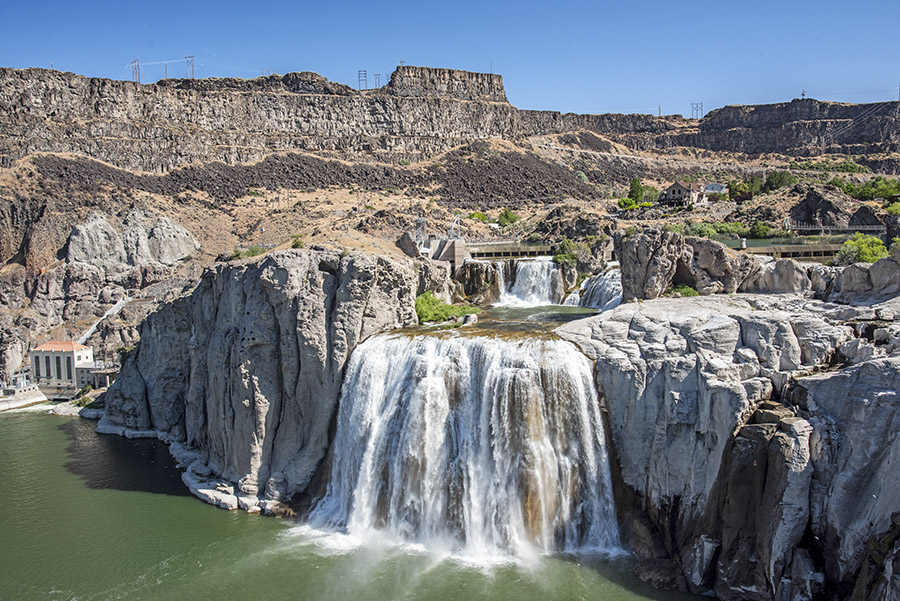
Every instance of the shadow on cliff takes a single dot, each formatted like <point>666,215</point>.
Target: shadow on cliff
<point>117,463</point>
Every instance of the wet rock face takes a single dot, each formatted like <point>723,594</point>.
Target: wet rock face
<point>247,369</point>
<point>737,452</point>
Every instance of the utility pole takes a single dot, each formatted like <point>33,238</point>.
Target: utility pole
<point>362,80</point>
<point>696,110</point>
<point>697,113</point>
<point>189,63</point>
<point>660,111</point>
<point>136,70</point>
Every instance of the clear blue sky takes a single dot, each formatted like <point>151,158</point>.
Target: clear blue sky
<point>585,57</point>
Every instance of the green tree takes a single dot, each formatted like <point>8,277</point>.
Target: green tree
<point>636,191</point>
<point>737,189</point>
<point>760,229</point>
<point>861,249</point>
<point>779,179</point>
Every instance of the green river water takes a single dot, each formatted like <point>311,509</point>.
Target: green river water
<point>93,517</point>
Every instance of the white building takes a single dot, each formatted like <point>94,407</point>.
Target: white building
<point>713,188</point>
<point>62,367</point>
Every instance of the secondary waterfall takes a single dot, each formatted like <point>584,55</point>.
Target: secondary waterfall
<point>486,446</point>
<point>602,291</point>
<point>537,282</point>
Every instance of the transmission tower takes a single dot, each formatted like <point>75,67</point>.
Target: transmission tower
<point>189,63</point>
<point>362,80</point>
<point>696,110</point>
<point>136,70</point>
<point>377,77</point>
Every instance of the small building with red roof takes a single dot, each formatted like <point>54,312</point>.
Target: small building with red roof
<point>61,367</point>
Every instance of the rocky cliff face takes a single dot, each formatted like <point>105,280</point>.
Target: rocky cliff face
<point>246,370</point>
<point>760,481</point>
<point>420,113</point>
<point>427,82</point>
<point>157,127</point>
<point>104,261</point>
<point>654,261</point>
<point>797,126</point>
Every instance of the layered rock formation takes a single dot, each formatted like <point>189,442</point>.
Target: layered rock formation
<point>752,487</point>
<point>247,369</point>
<point>420,113</point>
<point>654,261</point>
<point>103,265</point>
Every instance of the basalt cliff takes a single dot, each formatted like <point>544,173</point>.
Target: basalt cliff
<point>419,114</point>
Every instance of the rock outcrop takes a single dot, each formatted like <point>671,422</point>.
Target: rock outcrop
<point>654,261</point>
<point>420,113</point>
<point>246,370</point>
<point>103,265</point>
<point>745,477</point>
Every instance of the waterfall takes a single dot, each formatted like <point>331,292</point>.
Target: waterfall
<point>484,446</point>
<point>602,291</point>
<point>537,282</point>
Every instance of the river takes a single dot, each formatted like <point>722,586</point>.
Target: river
<point>93,517</point>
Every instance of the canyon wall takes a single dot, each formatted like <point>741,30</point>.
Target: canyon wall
<point>421,112</point>
<point>247,369</point>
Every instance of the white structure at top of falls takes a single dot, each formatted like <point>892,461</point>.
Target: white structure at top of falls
<point>537,282</point>
<point>481,445</point>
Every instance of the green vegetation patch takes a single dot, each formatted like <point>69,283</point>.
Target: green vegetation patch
<point>507,217</point>
<point>682,290</point>
<point>880,187</point>
<point>479,216</point>
<point>861,248</point>
<point>845,166</point>
<point>253,251</point>
<point>431,308</point>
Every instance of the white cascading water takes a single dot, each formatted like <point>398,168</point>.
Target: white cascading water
<point>538,282</point>
<point>484,446</point>
<point>602,291</point>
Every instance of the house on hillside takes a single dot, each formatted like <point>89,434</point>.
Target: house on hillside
<point>681,194</point>
<point>62,367</point>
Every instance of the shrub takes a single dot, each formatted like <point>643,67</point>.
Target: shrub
<point>631,231</point>
<point>861,249</point>
<point>566,259</point>
<point>252,251</point>
<point>880,187</point>
<point>581,177</point>
<point>845,166</point>
<point>760,229</point>
<point>683,290</point>
<point>779,179</point>
<point>701,230</point>
<point>297,241</point>
<point>673,227</point>
<point>479,216</point>
<point>507,217</point>
<point>893,208</point>
<point>627,203</point>
<point>431,308</point>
